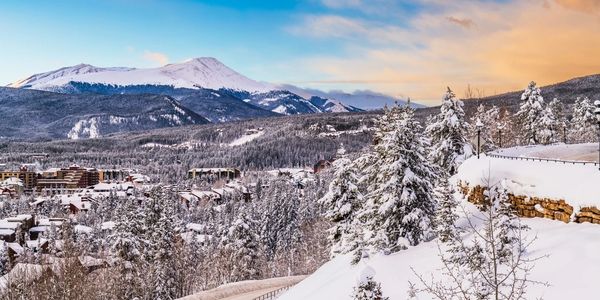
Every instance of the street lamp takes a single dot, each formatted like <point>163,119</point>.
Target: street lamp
<point>479,126</point>
<point>597,113</point>
<point>500,127</point>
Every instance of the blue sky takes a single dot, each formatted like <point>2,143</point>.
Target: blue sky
<point>402,48</point>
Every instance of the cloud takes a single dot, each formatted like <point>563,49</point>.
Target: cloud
<point>466,23</point>
<point>159,58</point>
<point>506,49</point>
<point>586,6</point>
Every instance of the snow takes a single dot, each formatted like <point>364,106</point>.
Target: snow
<point>243,287</point>
<point>205,72</point>
<point>574,183</point>
<point>12,181</point>
<point>570,269</point>
<point>575,152</point>
<point>84,128</point>
<point>246,138</point>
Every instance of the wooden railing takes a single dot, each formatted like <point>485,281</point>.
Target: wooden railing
<point>544,159</point>
<point>273,294</point>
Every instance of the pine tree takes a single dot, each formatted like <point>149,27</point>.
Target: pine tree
<point>446,211</point>
<point>399,205</point>
<point>448,132</point>
<point>4,259</point>
<point>557,108</point>
<point>531,116</point>
<point>583,121</point>
<point>241,242</point>
<point>342,204</point>
<point>368,289</point>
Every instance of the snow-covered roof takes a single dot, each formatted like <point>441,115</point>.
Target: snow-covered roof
<point>6,232</point>
<point>20,218</point>
<point>195,227</point>
<point>107,225</point>
<point>82,229</point>
<point>10,181</point>
<point>4,224</point>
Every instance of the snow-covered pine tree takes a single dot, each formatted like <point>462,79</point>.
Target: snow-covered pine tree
<point>560,119</point>
<point>241,243</point>
<point>399,207</point>
<point>4,259</point>
<point>368,289</point>
<point>342,202</point>
<point>446,211</point>
<point>583,122</point>
<point>448,132</point>
<point>126,245</point>
<point>161,241</point>
<point>531,116</point>
<point>547,132</point>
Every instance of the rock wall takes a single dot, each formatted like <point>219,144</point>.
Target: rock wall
<point>533,207</point>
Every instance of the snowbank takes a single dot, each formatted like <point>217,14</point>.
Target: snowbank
<point>570,269</point>
<point>236,288</point>
<point>575,183</point>
<point>575,152</point>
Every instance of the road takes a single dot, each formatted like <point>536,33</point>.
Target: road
<point>252,295</point>
<point>245,290</point>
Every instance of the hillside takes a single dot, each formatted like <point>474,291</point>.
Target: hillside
<point>565,243</point>
<point>30,114</point>
<point>567,92</point>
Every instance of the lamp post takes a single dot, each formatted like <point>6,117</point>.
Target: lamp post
<point>564,125</point>
<point>500,127</point>
<point>597,113</point>
<point>479,126</point>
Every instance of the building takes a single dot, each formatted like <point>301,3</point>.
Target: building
<point>67,180</point>
<point>214,173</point>
<point>29,178</point>
<point>321,165</point>
<point>112,175</point>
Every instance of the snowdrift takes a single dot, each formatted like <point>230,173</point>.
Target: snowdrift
<point>570,268</point>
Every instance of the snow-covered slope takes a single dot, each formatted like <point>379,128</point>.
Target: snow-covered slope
<point>205,72</point>
<point>570,269</point>
<point>572,248</point>
<point>332,105</point>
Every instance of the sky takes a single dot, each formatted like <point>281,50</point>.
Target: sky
<point>401,48</point>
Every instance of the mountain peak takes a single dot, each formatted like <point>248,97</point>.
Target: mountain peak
<point>205,72</point>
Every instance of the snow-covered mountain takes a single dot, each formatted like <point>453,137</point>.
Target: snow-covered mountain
<point>331,105</point>
<point>203,72</point>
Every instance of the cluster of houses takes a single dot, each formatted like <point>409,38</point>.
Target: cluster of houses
<point>56,181</point>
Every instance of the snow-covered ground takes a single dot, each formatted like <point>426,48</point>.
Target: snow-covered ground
<point>246,138</point>
<point>571,266</point>
<point>575,183</point>
<point>575,152</point>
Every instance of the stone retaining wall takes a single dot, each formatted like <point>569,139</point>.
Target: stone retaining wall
<point>533,207</point>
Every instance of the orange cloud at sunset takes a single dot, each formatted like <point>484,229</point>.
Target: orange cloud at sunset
<point>496,47</point>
